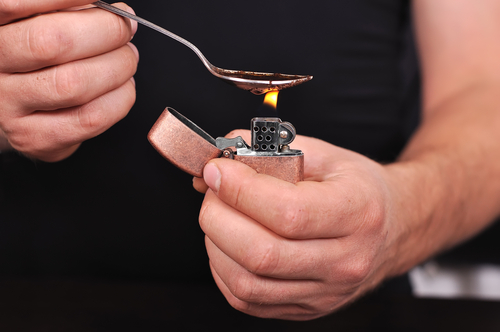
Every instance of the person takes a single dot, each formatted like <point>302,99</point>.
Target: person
<point>279,250</point>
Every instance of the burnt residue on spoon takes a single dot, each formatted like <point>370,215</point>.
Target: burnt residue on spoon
<point>260,83</point>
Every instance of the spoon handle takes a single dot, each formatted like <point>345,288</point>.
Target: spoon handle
<point>120,12</point>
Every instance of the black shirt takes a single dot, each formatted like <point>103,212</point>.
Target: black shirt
<point>117,209</point>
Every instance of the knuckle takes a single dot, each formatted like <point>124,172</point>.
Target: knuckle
<point>375,213</point>
<point>295,219</point>
<point>47,42</point>
<point>19,136</point>
<point>244,133</point>
<point>263,259</point>
<point>9,8</point>
<point>37,148</point>
<point>358,270</point>
<point>28,143</point>
<point>18,142</point>
<point>69,83</point>
<point>239,305</point>
<point>236,195</point>
<point>236,133</point>
<point>233,133</point>
<point>244,289</point>
<point>48,145</point>
<point>90,119</point>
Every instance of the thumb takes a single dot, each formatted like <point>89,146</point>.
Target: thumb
<point>212,176</point>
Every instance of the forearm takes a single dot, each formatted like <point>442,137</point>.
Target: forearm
<point>448,177</point>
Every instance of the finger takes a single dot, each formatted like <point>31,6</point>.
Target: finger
<point>255,288</point>
<point>57,38</point>
<point>306,210</point>
<point>199,185</point>
<point>287,311</point>
<point>71,84</point>
<point>245,134</point>
<point>14,9</point>
<point>261,251</point>
<point>52,136</point>
<point>308,297</point>
<point>344,261</point>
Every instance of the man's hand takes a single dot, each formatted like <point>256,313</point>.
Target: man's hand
<point>299,251</point>
<point>65,76</point>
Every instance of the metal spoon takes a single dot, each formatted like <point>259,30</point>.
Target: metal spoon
<point>255,82</point>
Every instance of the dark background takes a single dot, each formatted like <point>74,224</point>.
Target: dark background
<point>108,239</point>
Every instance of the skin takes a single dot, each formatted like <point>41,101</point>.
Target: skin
<point>65,76</point>
<point>277,249</point>
<point>286,251</point>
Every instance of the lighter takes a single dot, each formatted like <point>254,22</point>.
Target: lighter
<point>190,148</point>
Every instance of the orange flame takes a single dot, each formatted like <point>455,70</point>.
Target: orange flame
<point>271,99</point>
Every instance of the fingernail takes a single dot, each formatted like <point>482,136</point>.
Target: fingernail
<point>135,50</point>
<point>134,23</point>
<point>212,176</point>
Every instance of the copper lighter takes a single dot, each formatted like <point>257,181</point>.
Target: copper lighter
<point>190,148</point>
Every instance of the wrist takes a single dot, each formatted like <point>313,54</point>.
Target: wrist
<point>438,201</point>
<point>414,195</point>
